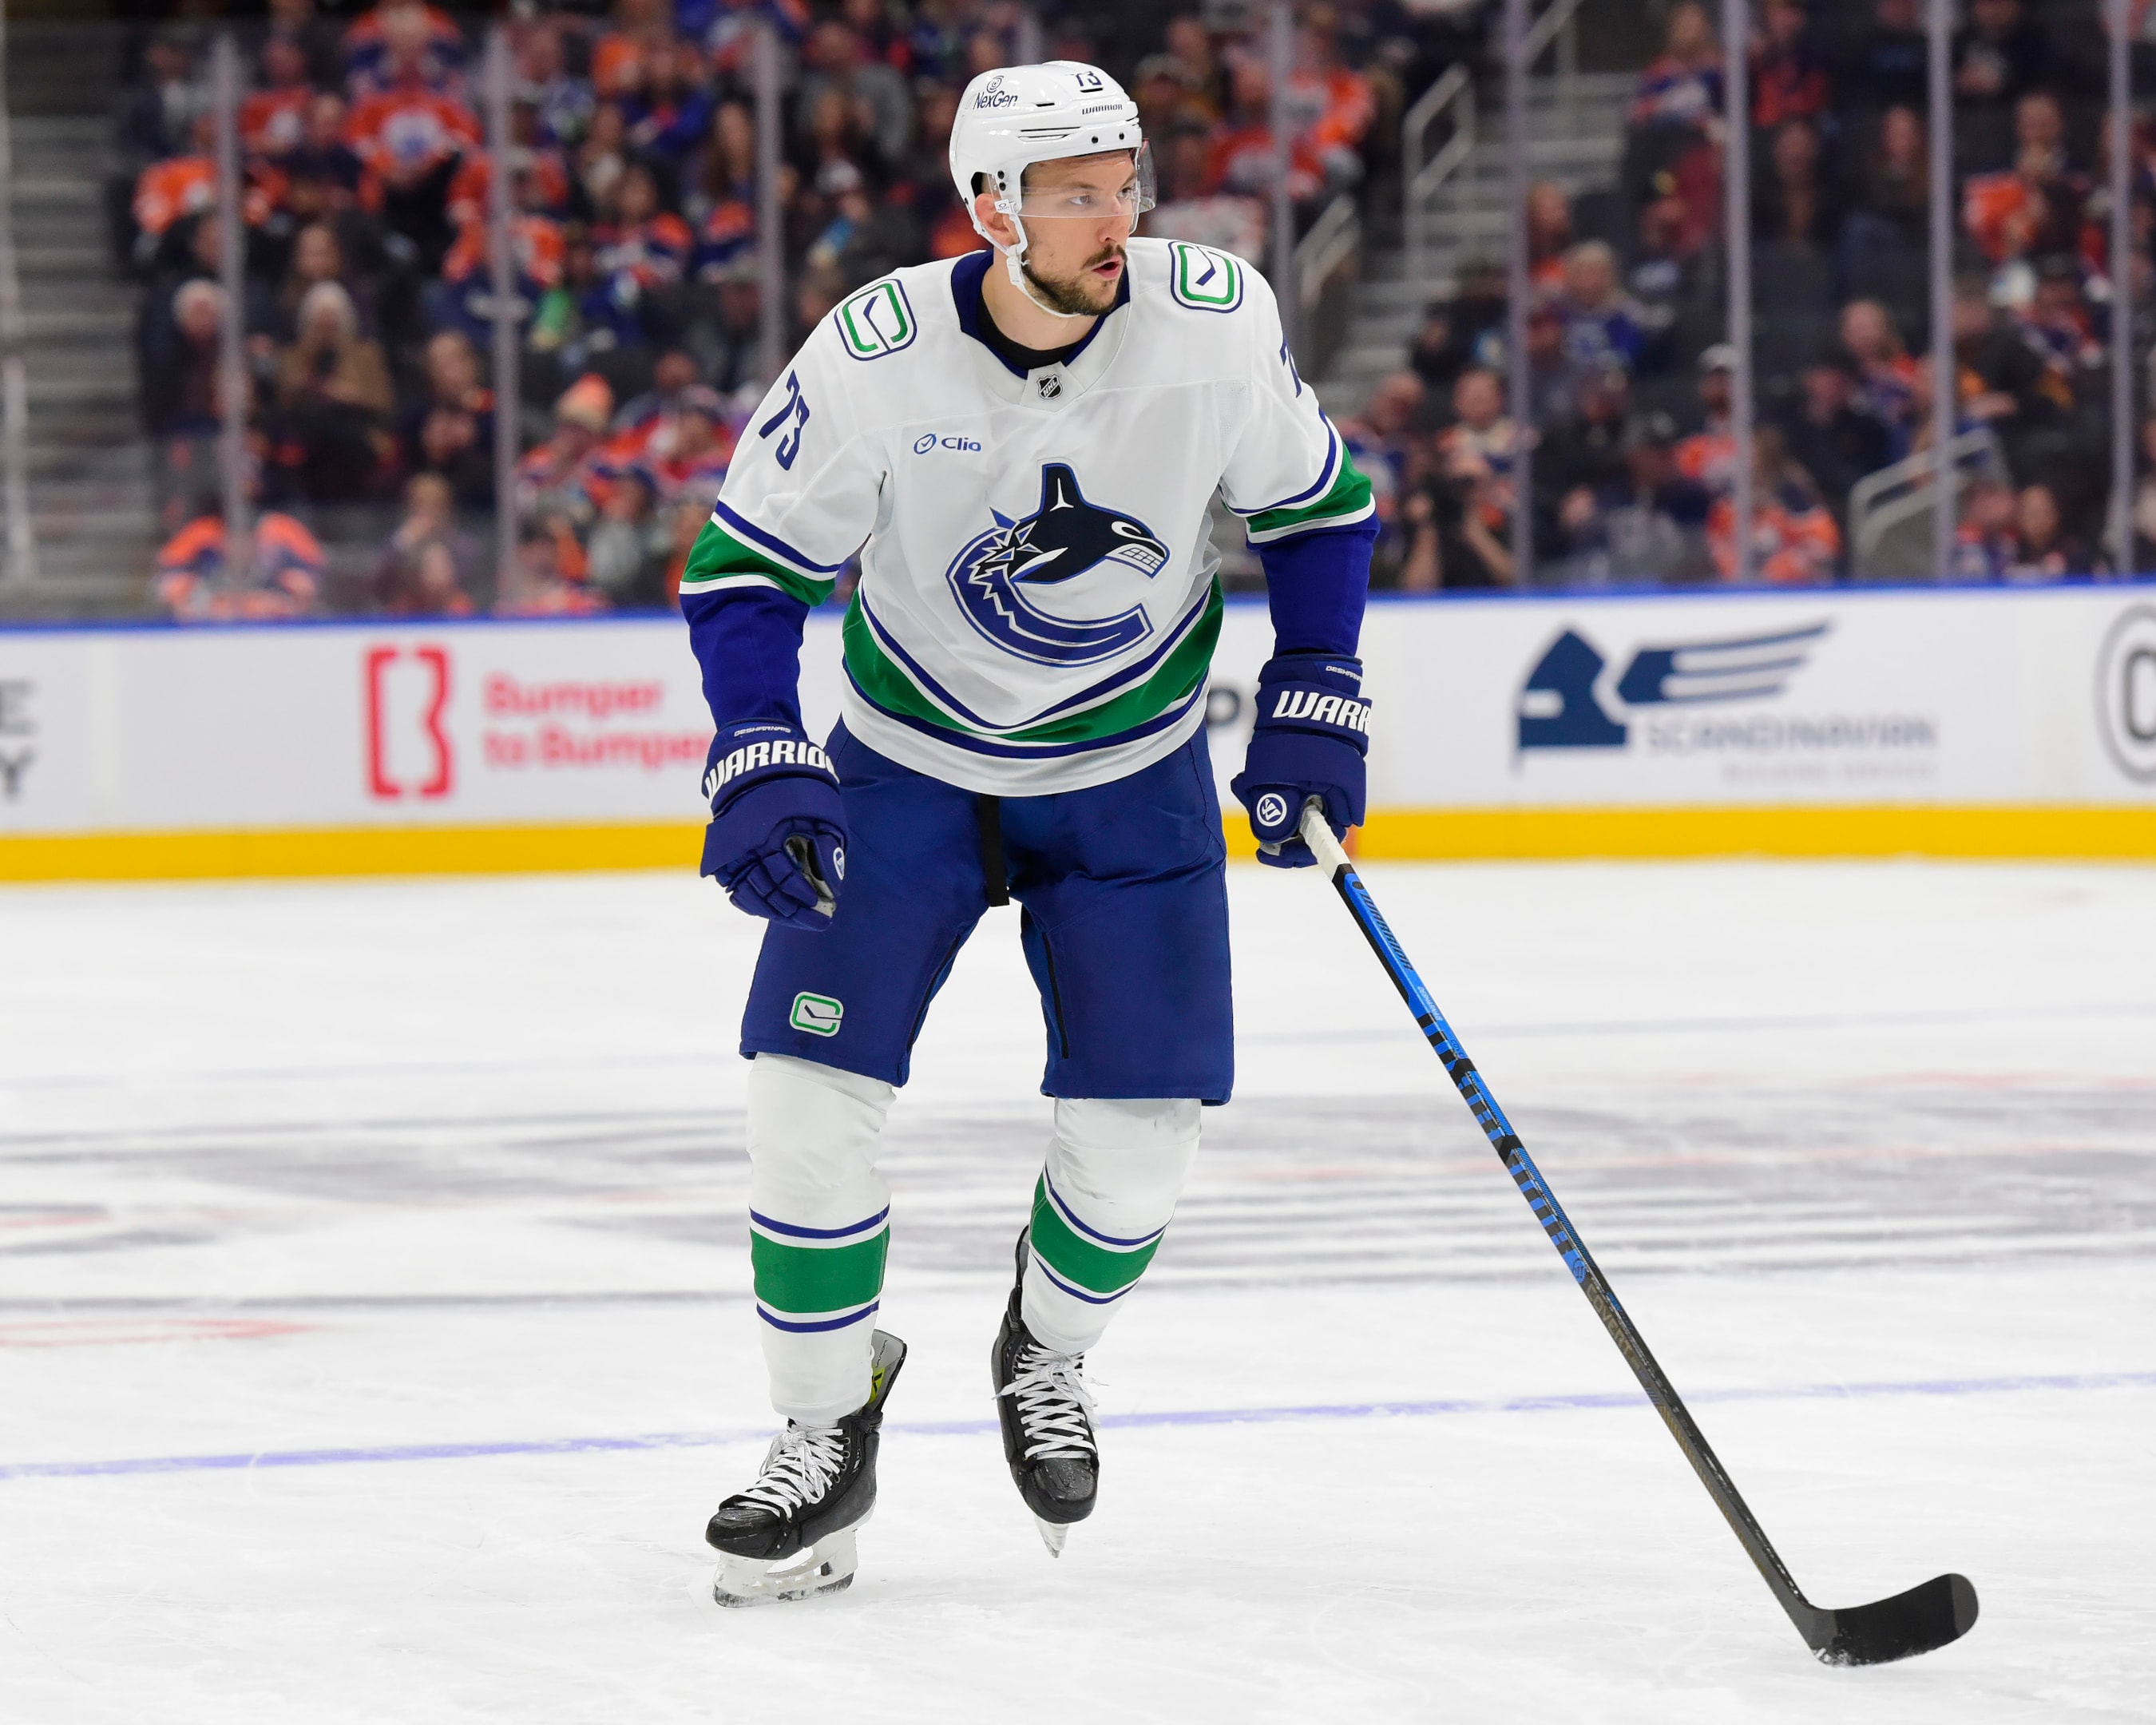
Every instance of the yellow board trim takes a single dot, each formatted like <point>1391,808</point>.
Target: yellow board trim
<point>319,851</point>
<point>2058,832</point>
<point>2026,832</point>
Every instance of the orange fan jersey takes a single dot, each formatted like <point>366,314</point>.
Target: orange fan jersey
<point>473,183</point>
<point>403,134</point>
<point>1795,540</point>
<point>1242,160</point>
<point>367,50</point>
<point>1708,458</point>
<point>1995,209</point>
<point>651,253</point>
<point>275,122</point>
<point>288,566</point>
<point>167,191</point>
<point>617,65</point>
<point>1347,106</point>
<point>184,185</point>
<point>534,251</point>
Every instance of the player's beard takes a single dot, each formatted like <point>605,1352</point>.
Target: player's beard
<point>1081,294</point>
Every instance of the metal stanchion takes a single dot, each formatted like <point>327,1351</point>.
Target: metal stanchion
<point>1518,285</point>
<point>770,216</point>
<point>2123,438</point>
<point>232,270</point>
<point>1737,220</point>
<point>508,346</point>
<point>1028,44</point>
<point>22,565</point>
<point>1281,56</point>
<point>1946,414</point>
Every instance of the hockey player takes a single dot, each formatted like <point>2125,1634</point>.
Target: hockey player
<point>1021,445</point>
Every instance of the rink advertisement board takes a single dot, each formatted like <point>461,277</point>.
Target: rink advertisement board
<point>1971,722</point>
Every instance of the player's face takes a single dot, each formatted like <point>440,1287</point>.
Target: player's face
<point>1078,216</point>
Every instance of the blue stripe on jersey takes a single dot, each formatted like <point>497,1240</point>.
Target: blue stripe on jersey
<point>1027,752</point>
<point>770,541</point>
<point>1324,479</point>
<point>1085,697</point>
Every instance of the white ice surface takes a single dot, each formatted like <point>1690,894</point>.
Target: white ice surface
<point>445,1179</point>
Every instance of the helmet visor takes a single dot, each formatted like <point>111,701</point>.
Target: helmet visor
<point>1086,188</point>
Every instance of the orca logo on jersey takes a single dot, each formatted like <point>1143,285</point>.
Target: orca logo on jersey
<point>1066,536</point>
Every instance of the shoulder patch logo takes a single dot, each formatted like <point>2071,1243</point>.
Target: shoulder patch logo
<point>877,321</point>
<point>1202,279</point>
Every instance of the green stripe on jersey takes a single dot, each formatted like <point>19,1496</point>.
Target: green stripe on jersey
<point>1097,1269</point>
<point>883,680</point>
<point>1348,499</point>
<point>812,1279</point>
<point>718,559</point>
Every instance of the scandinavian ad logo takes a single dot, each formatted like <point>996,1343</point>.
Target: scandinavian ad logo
<point>1721,698</point>
<point>1559,707</point>
<point>2126,693</point>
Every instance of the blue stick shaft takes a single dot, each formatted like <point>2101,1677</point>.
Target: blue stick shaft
<point>1558,1226</point>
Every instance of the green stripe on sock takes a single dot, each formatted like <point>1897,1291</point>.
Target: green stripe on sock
<point>1084,1263</point>
<point>812,1279</point>
<point>718,554</point>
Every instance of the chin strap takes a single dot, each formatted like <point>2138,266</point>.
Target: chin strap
<point>1012,262</point>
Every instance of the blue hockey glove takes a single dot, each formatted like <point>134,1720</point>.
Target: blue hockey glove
<point>778,837</point>
<point>1312,733</point>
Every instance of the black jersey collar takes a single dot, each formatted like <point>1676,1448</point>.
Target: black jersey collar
<point>966,293</point>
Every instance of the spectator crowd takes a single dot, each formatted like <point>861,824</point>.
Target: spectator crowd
<point>1633,464</point>
<point>369,297</point>
<point>368,301</point>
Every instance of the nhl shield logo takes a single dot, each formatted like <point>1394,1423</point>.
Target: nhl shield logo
<point>993,577</point>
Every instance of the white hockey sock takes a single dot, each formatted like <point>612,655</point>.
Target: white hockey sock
<point>819,1220</point>
<point>1114,1172</point>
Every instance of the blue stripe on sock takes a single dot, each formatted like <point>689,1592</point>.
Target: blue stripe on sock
<point>794,1328</point>
<point>1071,1216</point>
<point>789,1230</point>
<point>1079,1293</point>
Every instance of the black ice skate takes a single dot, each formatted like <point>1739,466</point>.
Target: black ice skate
<point>1048,1431</point>
<point>790,1536</point>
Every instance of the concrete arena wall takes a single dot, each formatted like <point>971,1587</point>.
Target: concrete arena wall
<point>1957,722</point>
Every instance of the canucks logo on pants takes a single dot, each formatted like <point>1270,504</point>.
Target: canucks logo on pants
<point>1064,537</point>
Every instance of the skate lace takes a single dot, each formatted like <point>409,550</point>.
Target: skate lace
<point>1054,1406</point>
<point>802,1463</point>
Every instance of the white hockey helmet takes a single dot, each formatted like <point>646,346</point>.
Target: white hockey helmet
<point>1009,120</point>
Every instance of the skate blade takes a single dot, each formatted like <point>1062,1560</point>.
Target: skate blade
<point>1052,1535</point>
<point>826,1567</point>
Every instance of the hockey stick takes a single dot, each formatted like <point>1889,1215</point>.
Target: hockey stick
<point>1939,1611</point>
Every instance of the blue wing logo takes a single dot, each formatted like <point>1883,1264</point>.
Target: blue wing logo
<point>1559,709</point>
<point>1751,668</point>
<point>1067,535</point>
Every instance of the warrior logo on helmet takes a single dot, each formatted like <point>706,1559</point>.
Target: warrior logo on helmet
<point>994,578</point>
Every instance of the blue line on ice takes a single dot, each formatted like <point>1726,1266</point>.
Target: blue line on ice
<point>967,1428</point>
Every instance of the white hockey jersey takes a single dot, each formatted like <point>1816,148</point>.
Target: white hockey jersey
<point>1038,600</point>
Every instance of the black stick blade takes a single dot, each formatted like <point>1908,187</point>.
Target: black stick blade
<point>1941,1611</point>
